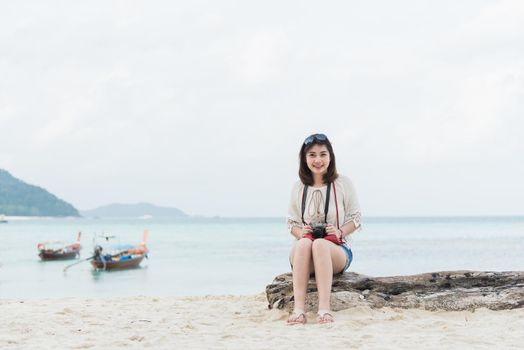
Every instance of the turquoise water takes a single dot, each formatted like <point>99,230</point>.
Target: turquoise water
<point>241,256</point>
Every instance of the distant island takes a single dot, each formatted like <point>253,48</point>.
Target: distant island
<point>144,210</point>
<point>18,198</point>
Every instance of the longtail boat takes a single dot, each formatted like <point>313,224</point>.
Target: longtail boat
<point>59,251</point>
<point>125,257</point>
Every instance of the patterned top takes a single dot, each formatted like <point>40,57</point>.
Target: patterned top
<point>348,206</point>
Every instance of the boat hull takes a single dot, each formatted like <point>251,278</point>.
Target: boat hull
<point>50,255</point>
<point>117,264</point>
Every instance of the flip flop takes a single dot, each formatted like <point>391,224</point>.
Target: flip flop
<point>325,317</point>
<point>297,318</point>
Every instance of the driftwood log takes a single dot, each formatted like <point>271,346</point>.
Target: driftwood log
<point>447,290</point>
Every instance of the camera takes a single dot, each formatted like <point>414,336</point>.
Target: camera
<point>319,231</point>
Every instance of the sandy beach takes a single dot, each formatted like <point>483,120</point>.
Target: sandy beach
<point>242,322</point>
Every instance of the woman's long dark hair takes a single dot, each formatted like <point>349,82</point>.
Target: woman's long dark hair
<point>305,174</point>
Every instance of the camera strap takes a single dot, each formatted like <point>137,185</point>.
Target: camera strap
<point>304,195</point>
<point>326,208</point>
<point>336,203</point>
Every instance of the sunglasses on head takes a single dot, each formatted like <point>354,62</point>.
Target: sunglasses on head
<point>317,137</point>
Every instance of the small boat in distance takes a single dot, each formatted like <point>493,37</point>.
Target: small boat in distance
<point>122,256</point>
<point>58,251</point>
<point>3,219</point>
<point>116,257</point>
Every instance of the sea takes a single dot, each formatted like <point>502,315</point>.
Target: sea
<point>240,256</point>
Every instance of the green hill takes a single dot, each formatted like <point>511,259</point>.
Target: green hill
<point>20,199</point>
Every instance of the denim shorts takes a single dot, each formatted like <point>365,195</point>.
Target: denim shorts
<point>349,255</point>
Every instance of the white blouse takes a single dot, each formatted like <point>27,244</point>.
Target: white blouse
<point>348,206</point>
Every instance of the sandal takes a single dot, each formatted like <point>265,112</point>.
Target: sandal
<point>297,318</point>
<point>325,316</point>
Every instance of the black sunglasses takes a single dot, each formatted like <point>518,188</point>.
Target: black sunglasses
<point>317,137</point>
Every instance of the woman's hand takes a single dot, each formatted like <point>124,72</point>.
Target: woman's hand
<point>305,230</point>
<point>332,230</point>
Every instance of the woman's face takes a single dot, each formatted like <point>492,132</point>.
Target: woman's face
<point>317,159</point>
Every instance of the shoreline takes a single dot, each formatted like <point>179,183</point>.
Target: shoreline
<point>241,322</point>
<point>372,218</point>
<point>29,218</point>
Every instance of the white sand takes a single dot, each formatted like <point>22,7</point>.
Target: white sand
<point>244,322</point>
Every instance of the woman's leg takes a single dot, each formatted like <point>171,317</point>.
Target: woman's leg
<point>328,258</point>
<point>300,258</point>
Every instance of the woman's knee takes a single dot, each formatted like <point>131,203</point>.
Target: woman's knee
<point>303,244</point>
<point>301,248</point>
<point>320,245</point>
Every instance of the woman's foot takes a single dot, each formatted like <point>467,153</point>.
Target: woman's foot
<point>325,316</point>
<point>297,317</point>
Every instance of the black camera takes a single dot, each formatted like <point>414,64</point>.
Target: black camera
<point>319,231</point>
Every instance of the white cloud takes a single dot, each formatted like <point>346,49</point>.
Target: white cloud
<point>259,57</point>
<point>55,129</point>
<point>183,104</point>
<point>496,24</point>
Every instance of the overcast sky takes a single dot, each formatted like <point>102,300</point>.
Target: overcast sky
<point>203,105</point>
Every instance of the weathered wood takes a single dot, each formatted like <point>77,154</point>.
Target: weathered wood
<point>446,290</point>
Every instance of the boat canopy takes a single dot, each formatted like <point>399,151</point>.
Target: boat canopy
<point>120,246</point>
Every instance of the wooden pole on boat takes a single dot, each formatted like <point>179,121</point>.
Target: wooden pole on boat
<point>78,262</point>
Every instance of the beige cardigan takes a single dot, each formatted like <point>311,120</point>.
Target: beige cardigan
<point>348,206</point>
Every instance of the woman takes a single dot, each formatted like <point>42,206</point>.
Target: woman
<point>321,198</point>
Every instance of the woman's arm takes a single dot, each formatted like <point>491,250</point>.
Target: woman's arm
<point>344,230</point>
<point>347,229</point>
<point>299,232</point>
<point>294,222</point>
<point>352,214</point>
